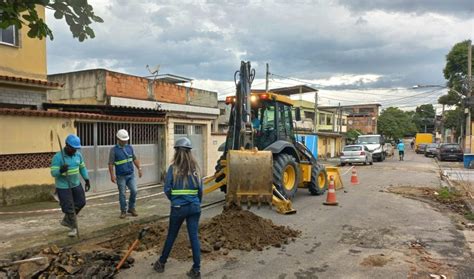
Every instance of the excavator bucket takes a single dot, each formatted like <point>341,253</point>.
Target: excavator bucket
<point>249,177</point>
<point>334,171</point>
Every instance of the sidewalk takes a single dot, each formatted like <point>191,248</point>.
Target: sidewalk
<point>100,216</point>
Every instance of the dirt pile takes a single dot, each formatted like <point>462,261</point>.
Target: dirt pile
<point>232,229</point>
<point>241,229</point>
<point>65,263</point>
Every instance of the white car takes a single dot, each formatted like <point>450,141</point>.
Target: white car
<point>356,153</point>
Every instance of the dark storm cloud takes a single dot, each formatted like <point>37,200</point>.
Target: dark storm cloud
<point>307,40</point>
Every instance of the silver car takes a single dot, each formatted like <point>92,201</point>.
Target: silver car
<point>356,153</point>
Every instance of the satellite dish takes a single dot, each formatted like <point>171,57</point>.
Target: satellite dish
<point>153,70</point>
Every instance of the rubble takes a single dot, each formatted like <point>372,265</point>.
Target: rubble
<point>67,262</point>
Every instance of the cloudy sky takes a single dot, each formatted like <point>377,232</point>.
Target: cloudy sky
<point>353,51</point>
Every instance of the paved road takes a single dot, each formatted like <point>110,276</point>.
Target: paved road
<point>369,223</point>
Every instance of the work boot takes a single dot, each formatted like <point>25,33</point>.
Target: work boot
<point>194,274</point>
<point>123,215</point>
<point>159,267</point>
<point>133,212</point>
<point>72,233</point>
<point>66,222</point>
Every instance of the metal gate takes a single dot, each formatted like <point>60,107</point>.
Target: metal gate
<point>99,137</point>
<point>195,134</point>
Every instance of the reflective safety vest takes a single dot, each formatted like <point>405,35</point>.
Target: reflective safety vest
<point>181,192</point>
<point>123,160</point>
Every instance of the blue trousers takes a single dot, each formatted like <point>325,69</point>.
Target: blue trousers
<point>124,182</point>
<point>66,196</point>
<point>191,213</point>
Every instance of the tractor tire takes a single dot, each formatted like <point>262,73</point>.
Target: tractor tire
<point>286,174</point>
<point>319,180</point>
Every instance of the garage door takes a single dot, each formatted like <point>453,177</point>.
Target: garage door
<point>98,138</point>
<point>195,134</point>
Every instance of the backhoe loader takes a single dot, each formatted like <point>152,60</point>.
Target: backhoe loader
<point>262,162</point>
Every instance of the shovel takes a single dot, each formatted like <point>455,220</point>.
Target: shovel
<point>141,234</point>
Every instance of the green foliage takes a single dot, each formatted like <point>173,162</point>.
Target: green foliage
<point>455,70</point>
<point>450,99</point>
<point>469,216</point>
<point>424,116</point>
<point>394,123</point>
<point>353,133</point>
<point>446,194</point>
<point>78,14</point>
<point>453,119</point>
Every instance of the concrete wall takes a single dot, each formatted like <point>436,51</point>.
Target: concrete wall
<point>27,60</point>
<point>25,134</point>
<point>83,87</point>
<point>22,96</point>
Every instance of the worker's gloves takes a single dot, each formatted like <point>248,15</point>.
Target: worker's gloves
<point>63,168</point>
<point>87,185</point>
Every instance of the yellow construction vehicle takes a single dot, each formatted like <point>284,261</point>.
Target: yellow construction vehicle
<point>262,161</point>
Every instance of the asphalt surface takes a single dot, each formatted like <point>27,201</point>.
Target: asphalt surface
<point>336,242</point>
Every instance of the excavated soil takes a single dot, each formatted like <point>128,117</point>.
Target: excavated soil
<point>232,229</point>
<point>65,263</point>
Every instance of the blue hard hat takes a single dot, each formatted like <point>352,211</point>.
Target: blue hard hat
<point>73,141</point>
<point>183,143</point>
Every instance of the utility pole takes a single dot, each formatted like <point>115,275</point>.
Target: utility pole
<point>340,118</point>
<point>316,114</point>
<point>443,133</point>
<point>467,143</point>
<point>267,75</point>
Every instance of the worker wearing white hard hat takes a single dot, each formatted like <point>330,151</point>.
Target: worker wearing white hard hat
<point>121,160</point>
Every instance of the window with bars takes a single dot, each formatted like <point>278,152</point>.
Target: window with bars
<point>198,130</point>
<point>180,129</point>
<point>106,133</point>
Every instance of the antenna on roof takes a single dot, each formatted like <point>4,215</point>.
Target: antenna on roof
<point>154,71</point>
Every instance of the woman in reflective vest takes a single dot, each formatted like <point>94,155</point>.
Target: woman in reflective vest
<point>183,187</point>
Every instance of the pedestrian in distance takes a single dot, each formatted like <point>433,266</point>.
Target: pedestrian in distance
<point>122,157</point>
<point>67,166</point>
<point>401,150</point>
<point>412,144</point>
<point>183,187</point>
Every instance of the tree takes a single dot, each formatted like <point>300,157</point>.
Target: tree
<point>454,119</point>
<point>455,71</point>
<point>78,14</point>
<point>450,99</point>
<point>352,134</point>
<point>394,123</point>
<point>424,117</point>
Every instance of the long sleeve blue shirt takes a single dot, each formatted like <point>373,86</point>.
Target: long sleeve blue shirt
<point>76,168</point>
<point>179,198</point>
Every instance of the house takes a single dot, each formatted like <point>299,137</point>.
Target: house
<point>190,112</point>
<point>331,127</point>
<point>361,117</point>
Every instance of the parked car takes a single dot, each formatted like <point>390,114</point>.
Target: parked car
<point>420,148</point>
<point>356,153</point>
<point>431,150</point>
<point>389,149</point>
<point>450,151</point>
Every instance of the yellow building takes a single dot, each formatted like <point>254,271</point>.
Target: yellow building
<point>27,141</point>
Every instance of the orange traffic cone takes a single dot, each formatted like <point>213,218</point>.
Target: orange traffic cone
<point>331,197</point>
<point>354,178</point>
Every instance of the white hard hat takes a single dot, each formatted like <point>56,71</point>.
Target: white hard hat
<point>122,134</point>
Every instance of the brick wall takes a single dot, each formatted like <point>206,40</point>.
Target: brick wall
<point>170,93</point>
<point>127,86</point>
<point>22,96</point>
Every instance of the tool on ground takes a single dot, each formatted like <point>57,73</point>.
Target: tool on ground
<point>262,161</point>
<point>354,178</point>
<point>141,234</point>
<point>7,263</point>
<point>76,227</point>
<point>331,197</point>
